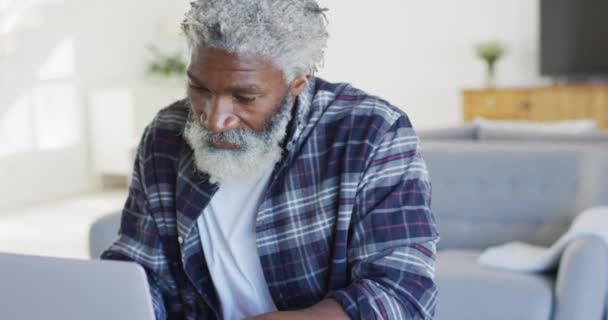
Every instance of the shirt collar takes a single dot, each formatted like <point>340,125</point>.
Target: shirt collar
<point>303,109</point>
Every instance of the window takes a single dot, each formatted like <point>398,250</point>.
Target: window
<point>16,135</point>
<point>47,115</point>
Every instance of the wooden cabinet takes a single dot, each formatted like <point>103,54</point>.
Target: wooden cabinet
<point>539,104</point>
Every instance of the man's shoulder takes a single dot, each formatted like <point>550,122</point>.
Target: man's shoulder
<point>349,103</point>
<point>171,119</point>
<point>164,135</point>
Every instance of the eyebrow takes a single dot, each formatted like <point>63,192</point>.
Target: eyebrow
<point>192,77</point>
<point>244,89</point>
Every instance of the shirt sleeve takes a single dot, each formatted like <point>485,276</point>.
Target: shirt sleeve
<point>138,239</point>
<point>393,234</point>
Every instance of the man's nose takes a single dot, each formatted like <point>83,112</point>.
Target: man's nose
<point>219,116</point>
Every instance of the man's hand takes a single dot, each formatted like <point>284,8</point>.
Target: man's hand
<point>327,309</point>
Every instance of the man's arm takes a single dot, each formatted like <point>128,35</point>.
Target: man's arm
<point>391,254</point>
<point>326,309</point>
<point>393,234</point>
<point>138,239</point>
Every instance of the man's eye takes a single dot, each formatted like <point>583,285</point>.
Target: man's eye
<point>244,100</point>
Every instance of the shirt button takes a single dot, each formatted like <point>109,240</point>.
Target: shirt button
<point>180,240</point>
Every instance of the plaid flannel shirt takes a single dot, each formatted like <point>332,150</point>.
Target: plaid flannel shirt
<point>346,214</point>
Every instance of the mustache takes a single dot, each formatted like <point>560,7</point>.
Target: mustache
<point>236,137</point>
<point>239,137</point>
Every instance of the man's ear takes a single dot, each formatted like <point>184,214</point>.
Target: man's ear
<point>299,84</point>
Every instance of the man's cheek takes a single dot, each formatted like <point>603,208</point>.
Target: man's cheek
<point>197,105</point>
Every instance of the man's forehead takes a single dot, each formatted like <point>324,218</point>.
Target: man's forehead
<point>244,72</point>
<point>219,59</point>
<point>238,85</point>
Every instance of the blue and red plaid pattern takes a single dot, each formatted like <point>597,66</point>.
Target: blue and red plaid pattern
<point>346,215</point>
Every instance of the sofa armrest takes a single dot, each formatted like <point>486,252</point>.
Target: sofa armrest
<point>582,280</point>
<point>103,233</point>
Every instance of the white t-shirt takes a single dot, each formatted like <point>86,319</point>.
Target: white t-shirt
<point>227,232</point>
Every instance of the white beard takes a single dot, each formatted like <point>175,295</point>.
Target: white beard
<point>256,153</point>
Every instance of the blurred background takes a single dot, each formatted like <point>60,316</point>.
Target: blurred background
<point>80,79</point>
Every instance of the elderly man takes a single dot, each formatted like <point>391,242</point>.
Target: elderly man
<point>272,194</point>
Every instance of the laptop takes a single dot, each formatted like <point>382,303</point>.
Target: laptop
<point>33,287</point>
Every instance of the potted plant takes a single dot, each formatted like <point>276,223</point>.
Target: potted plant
<point>167,66</point>
<point>490,52</point>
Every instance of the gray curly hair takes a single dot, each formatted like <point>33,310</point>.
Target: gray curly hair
<point>292,34</point>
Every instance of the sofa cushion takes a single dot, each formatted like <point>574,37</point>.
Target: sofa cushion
<point>469,291</point>
<point>565,127</point>
<point>468,131</point>
<point>571,131</point>
<point>592,138</point>
<point>486,195</point>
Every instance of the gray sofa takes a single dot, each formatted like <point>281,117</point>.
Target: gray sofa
<point>489,194</point>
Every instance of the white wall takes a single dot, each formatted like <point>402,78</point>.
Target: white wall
<point>41,173</point>
<point>113,35</point>
<point>114,55</point>
<point>110,39</point>
<point>416,54</point>
<point>419,54</point>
